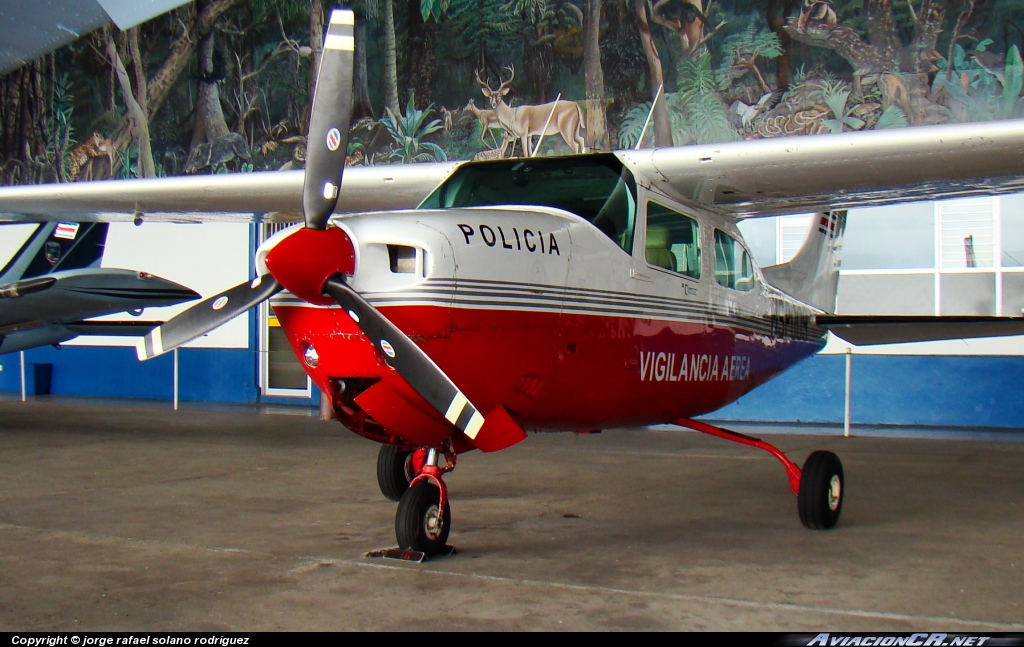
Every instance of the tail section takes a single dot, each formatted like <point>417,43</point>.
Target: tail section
<point>57,246</point>
<point>812,276</point>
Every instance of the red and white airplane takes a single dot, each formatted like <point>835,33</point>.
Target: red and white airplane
<point>552,294</point>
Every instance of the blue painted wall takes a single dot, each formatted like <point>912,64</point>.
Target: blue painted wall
<point>888,389</point>
<point>897,390</point>
<point>213,375</point>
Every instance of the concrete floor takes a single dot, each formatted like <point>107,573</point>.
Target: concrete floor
<point>118,518</point>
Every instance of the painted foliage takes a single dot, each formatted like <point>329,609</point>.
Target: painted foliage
<point>463,79</point>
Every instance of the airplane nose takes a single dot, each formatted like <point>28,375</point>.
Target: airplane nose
<point>303,261</point>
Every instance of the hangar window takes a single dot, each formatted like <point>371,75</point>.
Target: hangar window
<point>967,232</point>
<point>897,237</point>
<point>761,236</point>
<point>1012,233</point>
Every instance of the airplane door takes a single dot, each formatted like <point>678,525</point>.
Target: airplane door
<point>672,251</point>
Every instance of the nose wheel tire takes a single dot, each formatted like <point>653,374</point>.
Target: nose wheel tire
<point>420,524</point>
<point>394,471</point>
<point>822,485</point>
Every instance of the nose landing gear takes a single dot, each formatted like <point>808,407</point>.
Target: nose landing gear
<point>423,519</point>
<point>422,522</point>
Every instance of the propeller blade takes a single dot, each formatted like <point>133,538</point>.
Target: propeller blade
<point>403,355</point>
<point>327,141</point>
<point>207,315</point>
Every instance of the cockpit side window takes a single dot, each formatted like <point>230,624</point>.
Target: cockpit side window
<point>733,267</point>
<point>673,241</point>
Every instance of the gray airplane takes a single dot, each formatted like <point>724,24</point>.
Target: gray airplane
<point>54,283</point>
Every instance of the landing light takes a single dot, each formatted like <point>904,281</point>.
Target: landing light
<point>310,356</point>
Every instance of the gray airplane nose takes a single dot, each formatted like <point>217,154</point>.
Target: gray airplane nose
<point>173,290</point>
<point>145,289</point>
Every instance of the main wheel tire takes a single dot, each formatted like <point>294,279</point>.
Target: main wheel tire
<point>394,471</point>
<point>822,487</point>
<point>419,523</point>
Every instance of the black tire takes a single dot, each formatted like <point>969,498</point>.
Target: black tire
<point>822,489</point>
<point>417,523</point>
<point>393,471</point>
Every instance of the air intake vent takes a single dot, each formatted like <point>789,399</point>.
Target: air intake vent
<point>403,259</point>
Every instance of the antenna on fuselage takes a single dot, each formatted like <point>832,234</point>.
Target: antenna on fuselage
<point>546,123</point>
<point>650,114</point>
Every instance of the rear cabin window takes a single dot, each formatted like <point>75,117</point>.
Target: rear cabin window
<point>596,188</point>
<point>733,267</point>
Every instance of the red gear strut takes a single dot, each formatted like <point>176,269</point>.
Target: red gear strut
<point>792,471</point>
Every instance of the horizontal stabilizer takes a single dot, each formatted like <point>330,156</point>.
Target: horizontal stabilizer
<point>867,330</point>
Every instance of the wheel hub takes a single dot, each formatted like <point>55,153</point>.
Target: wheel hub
<point>835,491</point>
<point>433,523</point>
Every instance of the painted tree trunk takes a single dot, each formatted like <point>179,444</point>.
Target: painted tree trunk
<point>135,110</point>
<point>175,63</point>
<point>597,126</point>
<point>361,106</point>
<point>662,126</point>
<point>390,59</point>
<point>209,124</point>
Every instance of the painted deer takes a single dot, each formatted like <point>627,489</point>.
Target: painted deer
<point>488,120</point>
<point>526,122</point>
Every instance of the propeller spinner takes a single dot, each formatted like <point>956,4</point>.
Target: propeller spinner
<point>312,262</point>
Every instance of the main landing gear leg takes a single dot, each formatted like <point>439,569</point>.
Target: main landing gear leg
<point>424,517</point>
<point>818,486</point>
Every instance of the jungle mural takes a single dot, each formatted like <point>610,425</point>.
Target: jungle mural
<point>224,85</point>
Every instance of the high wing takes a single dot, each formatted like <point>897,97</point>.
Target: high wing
<point>742,179</point>
<point>272,196</point>
<point>737,179</point>
<point>801,174</point>
<point>54,282</point>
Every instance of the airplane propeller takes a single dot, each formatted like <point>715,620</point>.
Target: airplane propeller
<point>312,262</point>
<point>408,359</point>
<point>327,143</point>
<point>206,315</point>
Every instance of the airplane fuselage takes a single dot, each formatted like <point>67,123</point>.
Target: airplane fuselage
<point>568,325</point>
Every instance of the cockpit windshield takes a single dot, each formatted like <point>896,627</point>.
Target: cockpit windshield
<point>597,188</point>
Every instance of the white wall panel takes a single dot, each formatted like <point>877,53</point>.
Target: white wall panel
<point>12,237</point>
<point>208,258</point>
